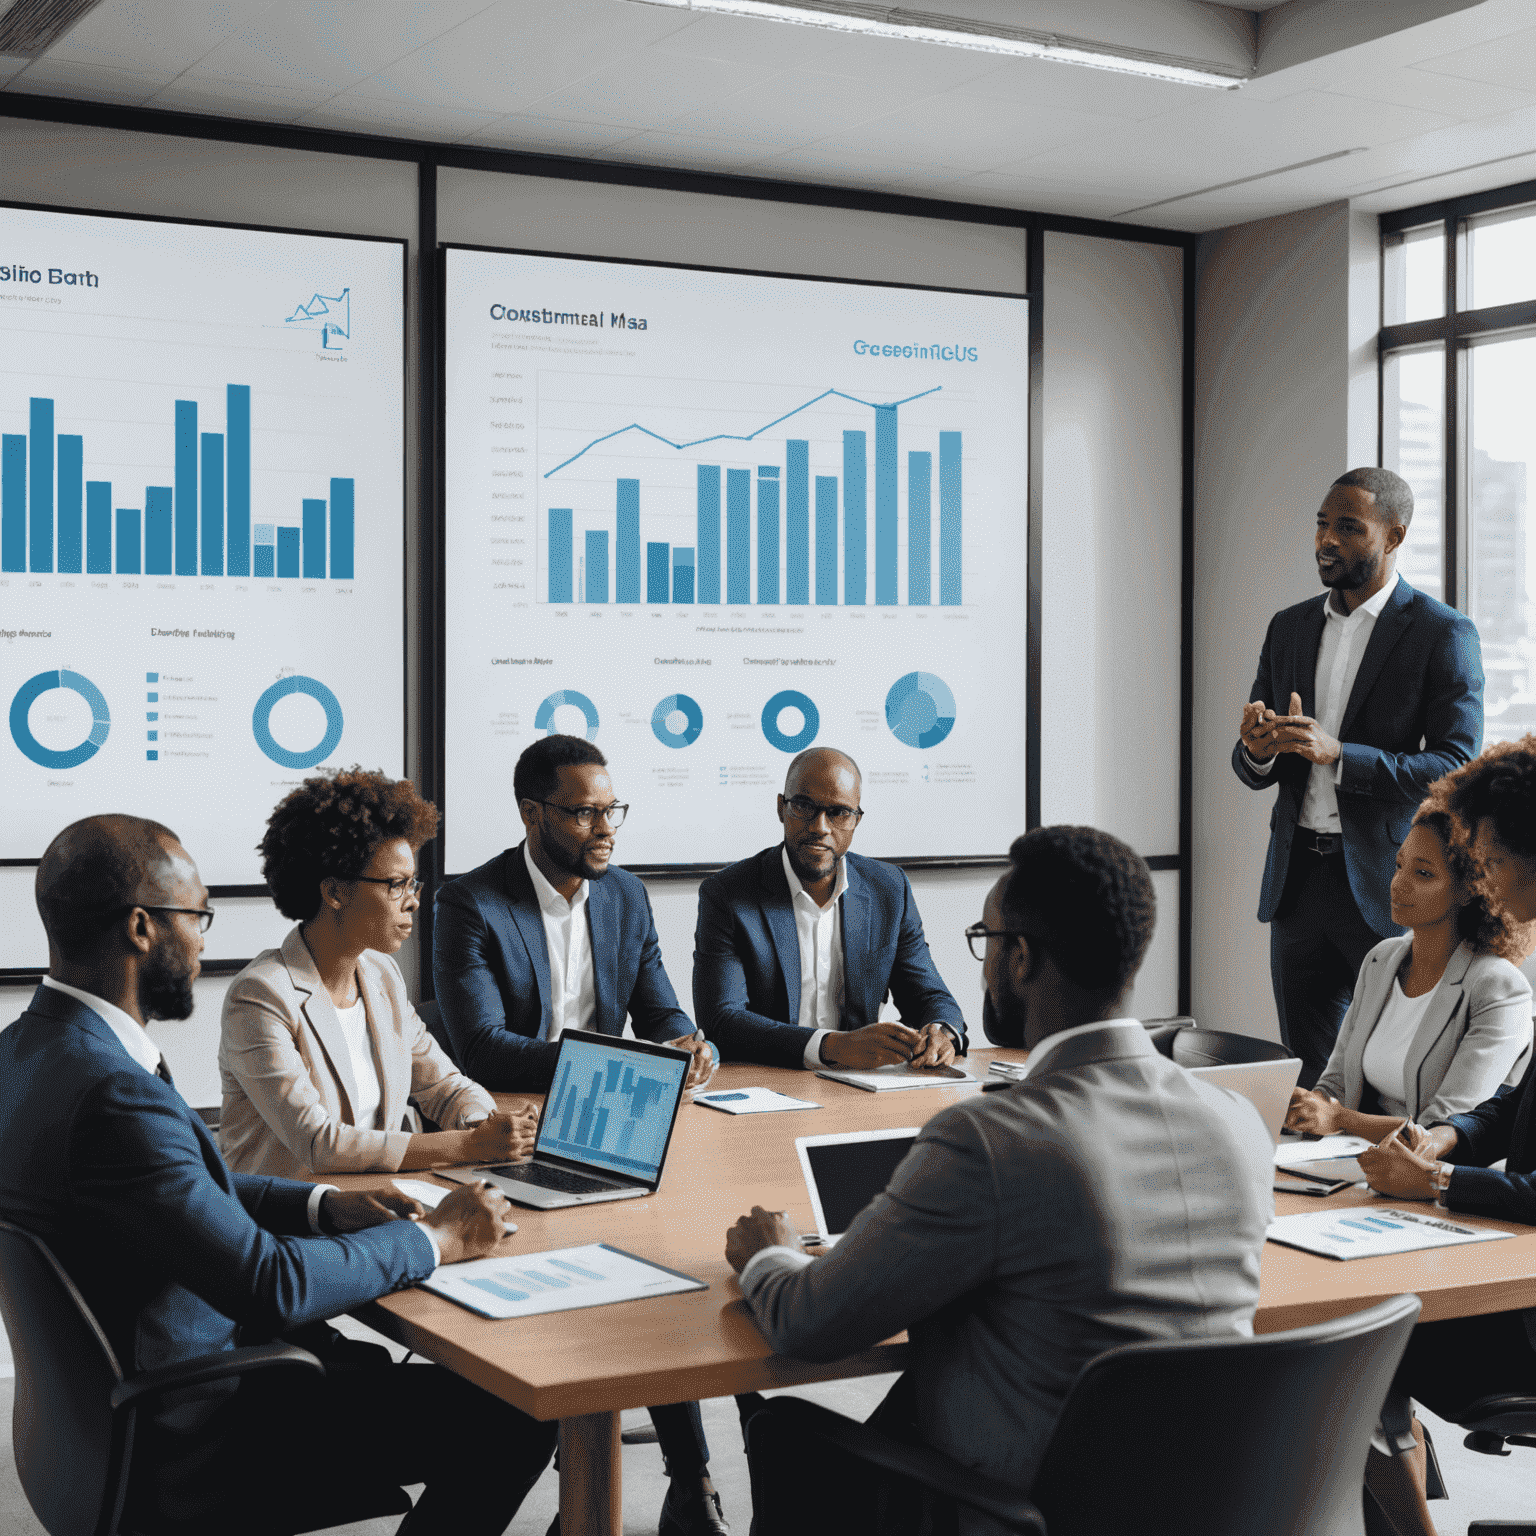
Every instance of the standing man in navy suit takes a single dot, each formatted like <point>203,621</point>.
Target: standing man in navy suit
<point>1363,699</point>
<point>178,1257</point>
<point>797,947</point>
<point>549,936</point>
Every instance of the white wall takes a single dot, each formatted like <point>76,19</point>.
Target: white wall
<point>1285,403</point>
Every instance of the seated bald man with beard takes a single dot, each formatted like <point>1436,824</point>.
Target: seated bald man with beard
<point>798,947</point>
<point>178,1257</point>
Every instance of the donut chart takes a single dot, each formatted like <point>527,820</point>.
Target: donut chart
<point>920,709</point>
<point>790,699</point>
<point>666,731</point>
<point>32,690</point>
<point>262,728</point>
<point>544,720</point>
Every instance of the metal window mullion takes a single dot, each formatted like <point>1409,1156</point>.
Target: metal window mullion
<point>1452,502</point>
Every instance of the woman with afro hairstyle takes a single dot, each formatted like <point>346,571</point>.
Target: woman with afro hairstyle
<point>1440,1017</point>
<point>320,1048</point>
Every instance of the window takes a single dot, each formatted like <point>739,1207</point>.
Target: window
<point>1458,422</point>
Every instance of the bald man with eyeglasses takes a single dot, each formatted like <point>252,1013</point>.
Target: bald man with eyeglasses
<point>798,946</point>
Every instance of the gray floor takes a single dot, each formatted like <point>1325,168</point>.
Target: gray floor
<point>1481,1487</point>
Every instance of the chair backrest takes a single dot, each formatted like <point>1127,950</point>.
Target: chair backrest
<point>432,1017</point>
<point>1218,1048</point>
<point>62,1426</point>
<point>1162,1031</point>
<point>1225,1437</point>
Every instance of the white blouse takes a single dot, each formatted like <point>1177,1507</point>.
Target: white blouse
<point>1386,1052</point>
<point>365,1072</point>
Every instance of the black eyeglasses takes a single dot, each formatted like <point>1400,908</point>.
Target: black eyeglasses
<point>400,886</point>
<point>586,815</point>
<point>202,914</point>
<point>980,931</point>
<point>802,808</point>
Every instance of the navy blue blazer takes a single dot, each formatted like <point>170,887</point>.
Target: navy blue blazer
<point>1415,713</point>
<point>490,970</point>
<point>176,1255</point>
<point>1503,1127</point>
<point>746,959</point>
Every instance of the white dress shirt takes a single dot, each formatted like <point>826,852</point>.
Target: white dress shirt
<point>1339,653</point>
<point>133,1039</point>
<point>819,931</point>
<point>573,989</point>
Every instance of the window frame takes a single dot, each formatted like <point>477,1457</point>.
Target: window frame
<point>1456,331</point>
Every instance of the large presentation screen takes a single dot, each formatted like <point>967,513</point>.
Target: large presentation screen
<point>709,518</point>
<point>201,523</point>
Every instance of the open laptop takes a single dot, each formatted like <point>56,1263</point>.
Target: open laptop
<point>1265,1084</point>
<point>605,1128</point>
<point>846,1170</point>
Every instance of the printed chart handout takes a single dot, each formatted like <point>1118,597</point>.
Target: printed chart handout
<point>708,519</point>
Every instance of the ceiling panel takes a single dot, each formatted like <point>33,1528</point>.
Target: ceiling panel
<point>1508,60</point>
<point>645,84</point>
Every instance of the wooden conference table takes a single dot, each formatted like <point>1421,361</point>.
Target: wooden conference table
<point>584,1367</point>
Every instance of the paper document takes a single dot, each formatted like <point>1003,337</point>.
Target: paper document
<point>557,1280</point>
<point>1332,1168</point>
<point>431,1196</point>
<point>1365,1232</point>
<point>898,1075</point>
<point>751,1101</point>
<point>1291,1154</point>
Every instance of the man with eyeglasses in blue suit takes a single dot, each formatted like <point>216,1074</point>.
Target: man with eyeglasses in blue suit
<point>798,946</point>
<point>549,936</point>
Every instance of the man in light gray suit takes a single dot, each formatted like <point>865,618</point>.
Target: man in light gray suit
<point>1108,1197</point>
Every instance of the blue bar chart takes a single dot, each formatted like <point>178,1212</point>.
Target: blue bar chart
<point>54,520</point>
<point>598,1110</point>
<point>769,555</point>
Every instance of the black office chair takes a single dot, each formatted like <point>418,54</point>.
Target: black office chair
<point>72,1426</point>
<point>1191,1437</point>
<point>432,1017</point>
<point>1162,1031</point>
<point>1491,1424</point>
<point>1219,1048</point>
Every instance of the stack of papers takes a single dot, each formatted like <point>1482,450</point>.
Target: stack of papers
<point>557,1280</point>
<point>1329,1157</point>
<point>1364,1232</point>
<point>750,1101</point>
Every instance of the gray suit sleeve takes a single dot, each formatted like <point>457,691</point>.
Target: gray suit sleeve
<point>1498,1036</point>
<point>882,1275</point>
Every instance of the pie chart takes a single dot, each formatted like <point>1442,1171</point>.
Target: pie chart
<point>677,721</point>
<point>70,757</point>
<point>544,719</point>
<point>920,709</point>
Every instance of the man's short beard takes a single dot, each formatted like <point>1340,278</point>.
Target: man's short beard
<point>1007,1032</point>
<point>1356,574</point>
<point>573,864</point>
<point>165,987</point>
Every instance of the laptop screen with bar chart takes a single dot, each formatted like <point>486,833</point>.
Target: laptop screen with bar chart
<point>613,1105</point>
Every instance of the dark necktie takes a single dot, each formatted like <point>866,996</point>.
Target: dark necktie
<point>163,1072</point>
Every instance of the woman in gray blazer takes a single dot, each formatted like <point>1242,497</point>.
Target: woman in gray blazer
<point>1440,1017</point>
<point>320,1048</point>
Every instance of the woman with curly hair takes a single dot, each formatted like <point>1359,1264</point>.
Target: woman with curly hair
<point>1441,1018</point>
<point>320,1047</point>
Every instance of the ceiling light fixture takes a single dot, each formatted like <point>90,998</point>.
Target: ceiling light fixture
<point>959,32</point>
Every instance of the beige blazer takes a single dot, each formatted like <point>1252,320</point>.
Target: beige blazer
<point>287,1073</point>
